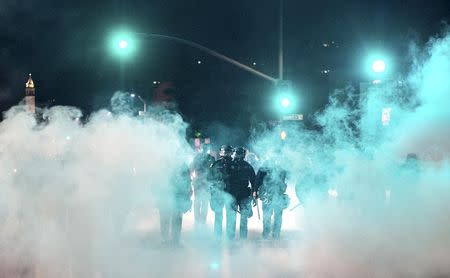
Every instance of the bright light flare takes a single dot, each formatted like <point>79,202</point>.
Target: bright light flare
<point>123,44</point>
<point>378,66</point>
<point>332,193</point>
<point>285,102</point>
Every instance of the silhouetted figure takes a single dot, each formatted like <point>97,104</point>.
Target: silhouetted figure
<point>176,202</point>
<point>219,177</point>
<point>200,168</point>
<point>241,191</point>
<point>271,186</point>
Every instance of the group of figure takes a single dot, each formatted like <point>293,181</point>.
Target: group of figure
<point>231,184</point>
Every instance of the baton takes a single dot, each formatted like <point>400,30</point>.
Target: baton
<point>257,209</point>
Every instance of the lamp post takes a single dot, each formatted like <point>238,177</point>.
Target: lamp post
<point>133,95</point>
<point>124,46</point>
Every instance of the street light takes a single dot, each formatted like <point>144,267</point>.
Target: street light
<point>378,66</point>
<point>122,44</point>
<point>285,100</point>
<point>133,95</point>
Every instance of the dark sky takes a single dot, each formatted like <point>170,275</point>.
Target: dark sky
<point>63,43</point>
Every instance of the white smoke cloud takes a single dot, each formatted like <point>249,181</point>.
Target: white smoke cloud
<point>79,199</point>
<point>389,218</point>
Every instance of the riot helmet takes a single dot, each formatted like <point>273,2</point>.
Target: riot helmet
<point>239,153</point>
<point>225,150</point>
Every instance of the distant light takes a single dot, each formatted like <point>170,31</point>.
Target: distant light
<point>376,81</point>
<point>388,194</point>
<point>199,62</point>
<point>283,135</point>
<point>214,266</point>
<point>15,170</point>
<point>254,63</point>
<point>155,82</point>
<point>285,102</point>
<point>386,116</point>
<point>325,45</point>
<point>67,137</point>
<point>132,95</point>
<point>333,193</point>
<point>77,119</point>
<point>378,66</point>
<point>123,44</point>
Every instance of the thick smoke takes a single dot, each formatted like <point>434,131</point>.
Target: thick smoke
<point>367,211</point>
<point>79,198</point>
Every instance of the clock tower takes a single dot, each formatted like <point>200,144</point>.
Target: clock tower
<point>30,99</point>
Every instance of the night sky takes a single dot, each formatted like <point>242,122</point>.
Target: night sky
<point>64,45</point>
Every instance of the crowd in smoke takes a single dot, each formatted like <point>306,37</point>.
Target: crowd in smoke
<point>72,193</point>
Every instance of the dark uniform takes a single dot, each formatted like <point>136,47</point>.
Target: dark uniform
<point>200,168</point>
<point>241,191</point>
<point>178,202</point>
<point>271,188</point>
<point>219,177</point>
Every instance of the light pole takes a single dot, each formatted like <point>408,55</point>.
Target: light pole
<point>280,44</point>
<point>133,95</point>
<point>121,43</point>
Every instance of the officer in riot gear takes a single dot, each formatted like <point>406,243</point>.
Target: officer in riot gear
<point>200,168</point>
<point>241,191</point>
<point>271,190</point>
<point>219,177</point>
<point>175,201</point>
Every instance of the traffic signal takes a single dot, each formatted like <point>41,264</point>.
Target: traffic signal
<point>285,100</point>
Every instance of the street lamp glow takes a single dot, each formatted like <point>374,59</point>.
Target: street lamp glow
<point>132,95</point>
<point>123,44</point>
<point>285,102</point>
<point>378,66</point>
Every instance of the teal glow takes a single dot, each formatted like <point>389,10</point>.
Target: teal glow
<point>122,44</point>
<point>285,102</point>
<point>214,266</point>
<point>378,66</point>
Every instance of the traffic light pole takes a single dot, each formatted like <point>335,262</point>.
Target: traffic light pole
<point>280,44</point>
<point>210,52</point>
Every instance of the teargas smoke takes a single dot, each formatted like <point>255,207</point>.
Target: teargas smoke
<point>81,198</point>
<point>374,196</point>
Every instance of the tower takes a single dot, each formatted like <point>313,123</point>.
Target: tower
<point>30,99</point>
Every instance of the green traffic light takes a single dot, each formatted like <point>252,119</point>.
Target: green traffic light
<point>378,66</point>
<point>285,99</point>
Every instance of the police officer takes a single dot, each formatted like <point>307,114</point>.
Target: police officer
<point>240,191</point>
<point>271,189</point>
<point>219,176</point>
<point>199,172</point>
<point>174,204</point>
